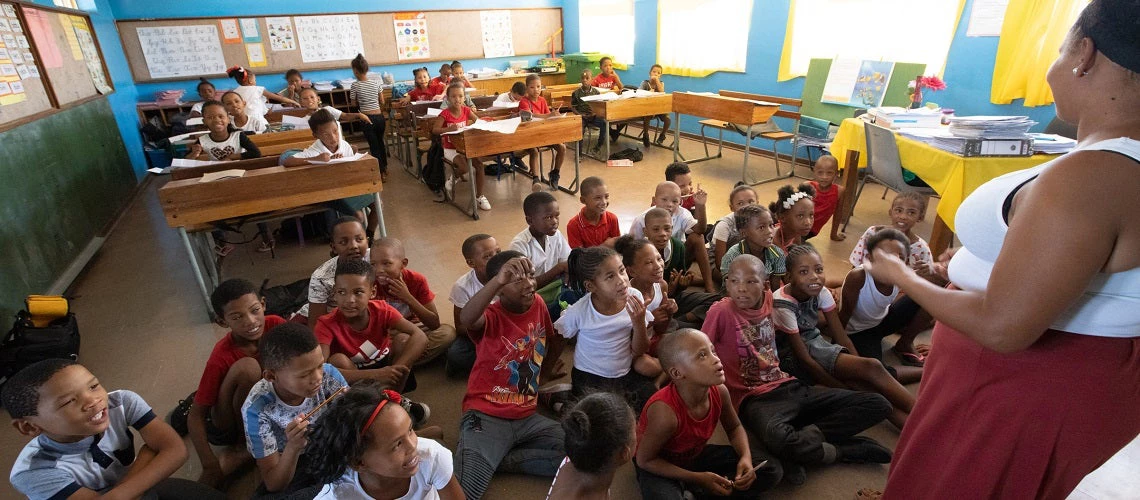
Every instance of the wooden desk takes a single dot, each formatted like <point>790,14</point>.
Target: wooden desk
<point>178,174</point>
<point>718,107</point>
<point>954,177</point>
<point>500,84</point>
<point>628,109</point>
<point>192,206</point>
<point>276,143</point>
<point>559,95</point>
<point>533,134</point>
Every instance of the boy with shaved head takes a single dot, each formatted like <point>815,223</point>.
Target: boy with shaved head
<point>408,292</point>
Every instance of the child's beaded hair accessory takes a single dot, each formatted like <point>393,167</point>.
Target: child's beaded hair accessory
<point>791,201</point>
<point>392,396</point>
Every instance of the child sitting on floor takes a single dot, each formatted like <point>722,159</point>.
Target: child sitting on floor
<point>477,251</point>
<point>409,293</point>
<point>691,305</point>
<point>871,310</point>
<point>365,447</point>
<point>807,355</point>
<point>755,225</point>
<point>908,208</point>
<point>348,241</point>
<point>725,233</point>
<point>231,371</point>
<point>685,226</point>
<point>594,225</point>
<point>827,196</point>
<point>366,338</point>
<point>799,423</point>
<point>535,104</point>
<point>82,446</point>
<point>673,454</point>
<point>794,212</point>
<point>543,244</point>
<point>610,323</point>
<point>646,271</point>
<point>601,436</point>
<point>515,350</point>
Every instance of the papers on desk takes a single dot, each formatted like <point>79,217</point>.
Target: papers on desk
<point>184,163</point>
<point>899,118</point>
<point>190,122</point>
<point>322,86</point>
<point>342,159</point>
<point>299,121</point>
<point>507,126</point>
<point>505,105</point>
<point>158,171</point>
<point>182,138</point>
<point>991,127</point>
<point>969,146</point>
<point>224,174</point>
<point>608,96</point>
<point>1052,144</point>
<point>433,112</point>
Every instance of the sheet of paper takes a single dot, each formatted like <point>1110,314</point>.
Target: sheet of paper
<point>66,22</point>
<point>232,173</point>
<point>354,157</point>
<point>505,105</point>
<point>188,135</point>
<point>42,32</point>
<point>280,32</point>
<point>157,171</point>
<point>433,112</point>
<point>255,52</point>
<point>986,17</point>
<point>299,121</point>
<point>411,36</point>
<point>230,31</point>
<point>185,162</point>
<point>173,51</point>
<point>507,126</point>
<point>91,57</point>
<point>608,96</point>
<point>329,38</point>
<point>852,82</point>
<point>190,122</point>
<point>249,30</point>
<point>497,33</point>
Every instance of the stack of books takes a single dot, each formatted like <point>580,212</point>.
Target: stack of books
<point>1052,144</point>
<point>991,127</point>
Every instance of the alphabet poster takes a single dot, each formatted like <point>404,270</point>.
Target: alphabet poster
<point>497,33</point>
<point>329,38</point>
<point>411,36</point>
<point>181,51</point>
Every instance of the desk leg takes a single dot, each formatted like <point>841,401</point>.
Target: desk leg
<point>380,215</point>
<point>606,132</point>
<point>747,153</point>
<point>677,137</point>
<point>940,236</point>
<point>573,187</point>
<point>197,270</point>
<point>213,265</point>
<point>474,193</point>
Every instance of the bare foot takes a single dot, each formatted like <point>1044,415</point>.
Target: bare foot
<point>838,236</point>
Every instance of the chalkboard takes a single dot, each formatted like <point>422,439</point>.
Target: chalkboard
<point>836,113</point>
<point>456,35</point>
<point>65,178</point>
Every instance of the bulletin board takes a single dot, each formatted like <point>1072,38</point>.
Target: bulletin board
<point>453,34</point>
<point>62,61</point>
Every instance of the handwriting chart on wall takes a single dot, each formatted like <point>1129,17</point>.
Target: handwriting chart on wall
<point>182,51</point>
<point>497,34</point>
<point>329,38</point>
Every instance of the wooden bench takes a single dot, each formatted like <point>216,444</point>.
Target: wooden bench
<point>789,108</point>
<point>559,96</point>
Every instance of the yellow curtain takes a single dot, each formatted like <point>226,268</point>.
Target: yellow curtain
<point>1031,35</point>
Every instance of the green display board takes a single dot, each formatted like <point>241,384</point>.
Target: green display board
<point>64,178</point>
<point>835,113</point>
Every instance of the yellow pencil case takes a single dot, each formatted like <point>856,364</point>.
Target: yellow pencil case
<point>46,308</point>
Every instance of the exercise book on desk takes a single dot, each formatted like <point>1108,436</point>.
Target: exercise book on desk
<point>224,174</point>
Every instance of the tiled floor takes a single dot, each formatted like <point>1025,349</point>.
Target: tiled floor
<point>145,328</point>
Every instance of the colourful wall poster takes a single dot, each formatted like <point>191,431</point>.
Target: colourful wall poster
<point>249,30</point>
<point>230,31</point>
<point>280,33</point>
<point>411,36</point>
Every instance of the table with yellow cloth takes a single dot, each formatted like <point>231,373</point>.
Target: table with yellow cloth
<point>953,176</point>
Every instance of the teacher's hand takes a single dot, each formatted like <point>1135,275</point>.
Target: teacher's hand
<point>886,267</point>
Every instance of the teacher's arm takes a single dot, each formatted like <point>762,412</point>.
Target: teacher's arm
<point>1062,233</point>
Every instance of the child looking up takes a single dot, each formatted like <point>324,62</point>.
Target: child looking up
<point>409,293</point>
<point>241,119</point>
<point>440,83</point>
<point>348,241</point>
<point>907,209</point>
<point>756,228</point>
<point>280,407</point>
<point>454,117</point>
<point>646,271</point>
<point>686,228</point>
<point>594,225</point>
<point>610,323</point>
<point>691,305</point>
<point>330,145</point>
<point>231,371</point>
<point>607,79</point>
<point>543,244</point>
<point>477,251</point>
<point>255,97</point>
<point>871,310</point>
<point>366,447</point>
<point>365,338</point>
<point>794,211</point>
<point>807,355</point>
<point>515,350</point>
<point>654,83</point>
<point>368,95</point>
<point>537,105</point>
<point>725,234</point>
<point>293,85</point>
<point>423,90</point>
<point>223,142</point>
<point>207,92</point>
<point>799,423</point>
<point>827,196</point>
<point>601,436</point>
<point>673,454</point>
<point>82,446</point>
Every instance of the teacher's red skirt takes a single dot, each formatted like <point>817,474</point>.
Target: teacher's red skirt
<point>1026,425</point>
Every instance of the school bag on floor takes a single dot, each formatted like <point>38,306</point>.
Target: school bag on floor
<point>284,300</point>
<point>48,331</point>
<point>434,174</point>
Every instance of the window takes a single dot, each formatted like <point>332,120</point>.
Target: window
<point>1030,36</point>
<point>700,37</point>
<point>606,26</point>
<point>889,30</point>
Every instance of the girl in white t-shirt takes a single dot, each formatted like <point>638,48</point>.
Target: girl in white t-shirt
<point>610,321</point>
<point>725,233</point>
<point>235,106</point>
<point>365,448</point>
<point>646,270</point>
<point>207,92</point>
<point>256,98</point>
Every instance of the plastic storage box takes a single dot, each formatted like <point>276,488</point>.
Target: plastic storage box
<point>575,63</point>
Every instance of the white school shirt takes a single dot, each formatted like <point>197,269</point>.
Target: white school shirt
<point>255,102</point>
<point>543,259</point>
<point>604,342</point>
<point>464,288</point>
<point>318,148</point>
<point>505,97</point>
<point>255,124</point>
<point>683,222</point>
<point>725,230</point>
<point>197,107</point>
<point>434,472</point>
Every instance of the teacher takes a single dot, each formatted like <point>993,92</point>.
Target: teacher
<point>1034,377</point>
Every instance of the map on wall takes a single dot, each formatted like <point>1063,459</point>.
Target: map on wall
<point>329,38</point>
<point>181,51</point>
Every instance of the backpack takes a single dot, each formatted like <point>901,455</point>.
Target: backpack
<point>433,172</point>
<point>26,343</point>
<point>628,154</point>
<point>284,300</point>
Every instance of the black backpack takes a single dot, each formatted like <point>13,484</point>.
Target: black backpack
<point>628,154</point>
<point>26,343</point>
<point>284,300</point>
<point>434,174</point>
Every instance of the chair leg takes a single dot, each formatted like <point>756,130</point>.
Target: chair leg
<point>885,190</point>
<point>855,202</point>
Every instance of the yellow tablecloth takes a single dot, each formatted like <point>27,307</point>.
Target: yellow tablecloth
<point>954,177</point>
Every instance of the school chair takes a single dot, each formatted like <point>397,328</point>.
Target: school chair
<point>884,165</point>
<point>789,109</point>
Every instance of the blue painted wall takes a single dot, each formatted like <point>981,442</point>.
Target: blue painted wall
<point>968,73</point>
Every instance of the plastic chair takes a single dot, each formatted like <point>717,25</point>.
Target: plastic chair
<point>884,165</point>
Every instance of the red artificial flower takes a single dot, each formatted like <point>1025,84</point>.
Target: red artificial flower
<point>931,82</point>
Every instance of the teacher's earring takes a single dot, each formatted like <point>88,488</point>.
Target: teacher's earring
<point>1077,72</point>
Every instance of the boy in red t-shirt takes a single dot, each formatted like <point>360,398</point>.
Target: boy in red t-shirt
<point>515,349</point>
<point>673,432</point>
<point>534,103</point>
<point>365,338</point>
<point>827,196</point>
<point>439,84</point>
<point>607,79</point>
<point>594,225</point>
<point>408,292</point>
<point>215,414</point>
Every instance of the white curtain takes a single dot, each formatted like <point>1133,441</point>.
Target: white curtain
<point>607,26</point>
<point>699,37</point>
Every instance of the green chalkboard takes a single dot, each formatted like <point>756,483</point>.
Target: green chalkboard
<point>62,179</point>
<point>835,113</point>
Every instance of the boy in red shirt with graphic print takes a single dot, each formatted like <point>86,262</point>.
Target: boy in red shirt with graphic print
<point>515,349</point>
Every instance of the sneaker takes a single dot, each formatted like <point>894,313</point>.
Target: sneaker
<point>180,414</point>
<point>554,175</point>
<point>419,412</point>
<point>449,188</point>
<point>557,397</point>
<point>483,203</point>
<point>860,450</point>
